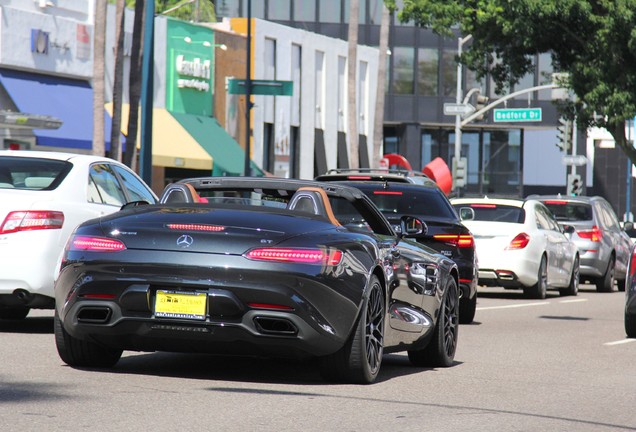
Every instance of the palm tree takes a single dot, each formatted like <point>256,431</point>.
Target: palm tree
<point>352,121</point>
<point>98,77</point>
<point>134,85</point>
<point>115,133</point>
<point>378,128</point>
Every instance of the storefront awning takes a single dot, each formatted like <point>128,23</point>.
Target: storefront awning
<point>69,100</point>
<point>172,145</point>
<point>228,155</point>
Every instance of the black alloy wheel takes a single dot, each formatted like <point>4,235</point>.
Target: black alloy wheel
<point>360,359</point>
<point>440,352</point>
<point>606,282</point>
<point>573,287</point>
<point>538,290</point>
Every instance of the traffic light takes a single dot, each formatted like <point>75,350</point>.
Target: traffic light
<point>459,172</point>
<point>564,134</point>
<point>575,187</point>
<point>480,103</point>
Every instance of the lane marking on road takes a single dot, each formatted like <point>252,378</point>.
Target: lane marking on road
<point>573,301</point>
<point>619,342</point>
<point>513,306</point>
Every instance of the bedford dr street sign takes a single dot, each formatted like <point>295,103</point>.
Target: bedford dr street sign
<point>517,115</point>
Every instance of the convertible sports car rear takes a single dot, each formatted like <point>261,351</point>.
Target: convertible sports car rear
<point>264,267</point>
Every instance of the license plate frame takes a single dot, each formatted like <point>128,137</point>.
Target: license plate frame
<point>173,304</point>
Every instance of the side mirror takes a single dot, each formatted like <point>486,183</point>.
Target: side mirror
<point>466,213</point>
<point>410,226</point>
<point>568,229</point>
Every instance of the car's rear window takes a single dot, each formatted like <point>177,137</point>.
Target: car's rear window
<point>32,173</point>
<point>569,211</point>
<point>416,201</point>
<point>495,212</point>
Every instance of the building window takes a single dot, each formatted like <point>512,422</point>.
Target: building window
<point>258,9</point>
<point>304,10</point>
<point>427,71</point>
<point>329,11</point>
<point>362,16</point>
<point>545,75</point>
<point>526,82</point>
<point>227,8</point>
<point>279,10</point>
<point>403,70</point>
<point>390,141</point>
<point>449,72</point>
<point>375,11</point>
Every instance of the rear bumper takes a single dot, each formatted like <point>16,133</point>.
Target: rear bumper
<point>250,310</point>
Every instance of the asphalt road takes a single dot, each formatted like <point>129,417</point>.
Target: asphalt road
<point>562,364</point>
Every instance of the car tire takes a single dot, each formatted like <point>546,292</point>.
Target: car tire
<point>606,282</point>
<point>630,325</point>
<point>14,312</point>
<point>573,287</point>
<point>538,290</point>
<point>620,284</point>
<point>467,308</point>
<point>78,353</point>
<point>360,359</point>
<point>440,352</point>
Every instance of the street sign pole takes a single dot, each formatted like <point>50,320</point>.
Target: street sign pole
<point>458,118</point>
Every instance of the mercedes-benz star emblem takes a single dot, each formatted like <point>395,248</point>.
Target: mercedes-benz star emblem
<point>185,241</point>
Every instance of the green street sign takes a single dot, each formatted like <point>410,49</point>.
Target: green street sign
<point>261,87</point>
<point>517,115</point>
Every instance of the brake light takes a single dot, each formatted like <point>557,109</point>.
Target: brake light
<point>269,306</point>
<point>95,244</point>
<point>30,220</point>
<point>520,241</point>
<point>555,202</point>
<point>483,205</point>
<point>293,255</point>
<point>359,177</point>
<point>459,240</point>
<point>196,227</point>
<point>387,193</point>
<point>593,234</point>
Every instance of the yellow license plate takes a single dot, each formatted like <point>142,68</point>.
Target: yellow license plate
<point>173,304</point>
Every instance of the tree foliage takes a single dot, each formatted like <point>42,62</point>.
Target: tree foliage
<point>185,9</point>
<point>593,41</point>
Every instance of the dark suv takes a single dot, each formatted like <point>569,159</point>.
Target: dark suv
<point>603,245</point>
<point>398,193</point>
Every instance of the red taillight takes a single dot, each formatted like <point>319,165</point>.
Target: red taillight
<point>387,193</point>
<point>29,220</point>
<point>196,227</point>
<point>304,256</point>
<point>520,241</point>
<point>483,205</point>
<point>593,234</point>
<point>459,240</point>
<point>95,244</point>
<point>555,202</point>
<point>359,177</point>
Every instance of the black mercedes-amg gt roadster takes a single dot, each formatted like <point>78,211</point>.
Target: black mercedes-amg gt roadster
<point>258,267</point>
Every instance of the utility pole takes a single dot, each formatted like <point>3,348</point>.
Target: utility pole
<point>458,99</point>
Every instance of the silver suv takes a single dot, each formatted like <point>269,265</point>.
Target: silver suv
<point>603,244</point>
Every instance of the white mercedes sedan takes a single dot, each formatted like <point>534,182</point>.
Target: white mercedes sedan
<point>43,197</point>
<point>520,245</point>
